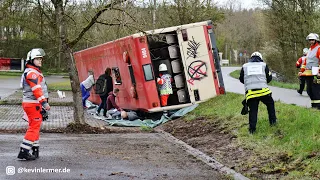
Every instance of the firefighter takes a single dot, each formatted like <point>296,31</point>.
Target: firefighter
<point>46,93</point>
<point>301,63</point>
<point>255,75</point>
<point>165,84</point>
<point>34,88</point>
<point>312,76</point>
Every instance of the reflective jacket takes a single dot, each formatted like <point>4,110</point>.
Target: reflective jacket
<point>165,84</point>
<point>312,59</point>
<point>34,86</point>
<point>255,76</point>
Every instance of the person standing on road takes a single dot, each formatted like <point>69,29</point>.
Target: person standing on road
<point>34,88</point>
<point>255,75</point>
<point>46,93</point>
<point>312,70</point>
<point>86,86</point>
<point>301,63</point>
<point>104,86</point>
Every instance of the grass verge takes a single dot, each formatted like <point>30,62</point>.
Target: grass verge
<point>8,73</point>
<point>6,77</point>
<point>5,73</point>
<point>236,74</point>
<point>62,86</point>
<point>290,150</point>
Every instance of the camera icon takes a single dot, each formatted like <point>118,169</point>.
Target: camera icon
<point>10,170</point>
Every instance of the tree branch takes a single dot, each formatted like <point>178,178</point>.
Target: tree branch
<point>109,24</point>
<point>52,23</point>
<point>118,9</point>
<point>93,21</point>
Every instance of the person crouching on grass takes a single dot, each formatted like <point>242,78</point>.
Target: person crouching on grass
<point>255,76</point>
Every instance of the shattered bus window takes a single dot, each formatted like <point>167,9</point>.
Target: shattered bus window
<point>116,73</point>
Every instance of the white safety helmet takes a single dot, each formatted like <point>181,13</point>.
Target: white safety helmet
<point>305,51</point>
<point>28,56</point>
<point>36,53</point>
<point>163,67</point>
<point>313,36</point>
<point>256,54</point>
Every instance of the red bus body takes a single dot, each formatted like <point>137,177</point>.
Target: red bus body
<point>133,57</point>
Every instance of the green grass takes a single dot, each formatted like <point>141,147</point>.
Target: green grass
<point>146,128</point>
<point>6,76</point>
<point>293,145</point>
<point>8,73</point>
<point>62,86</point>
<point>5,73</point>
<point>236,74</point>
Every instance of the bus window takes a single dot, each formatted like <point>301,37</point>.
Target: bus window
<point>116,73</point>
<point>133,79</point>
<point>148,74</point>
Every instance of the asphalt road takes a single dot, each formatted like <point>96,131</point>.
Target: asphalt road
<point>287,96</point>
<point>106,156</point>
<point>11,83</point>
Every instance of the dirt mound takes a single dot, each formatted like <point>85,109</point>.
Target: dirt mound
<point>210,138</point>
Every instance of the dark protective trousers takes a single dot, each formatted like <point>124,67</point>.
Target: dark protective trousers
<point>253,104</point>
<point>103,105</point>
<point>302,80</point>
<point>309,82</point>
<point>315,98</point>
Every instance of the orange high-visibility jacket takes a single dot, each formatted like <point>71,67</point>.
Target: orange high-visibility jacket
<point>34,86</point>
<point>301,63</point>
<point>308,72</point>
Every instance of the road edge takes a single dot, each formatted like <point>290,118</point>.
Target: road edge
<point>202,156</point>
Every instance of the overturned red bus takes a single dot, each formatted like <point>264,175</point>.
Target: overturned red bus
<point>189,51</point>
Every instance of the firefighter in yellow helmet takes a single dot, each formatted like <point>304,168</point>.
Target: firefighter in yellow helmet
<point>255,75</point>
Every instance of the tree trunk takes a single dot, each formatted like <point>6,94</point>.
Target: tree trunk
<point>75,86</point>
<point>73,73</point>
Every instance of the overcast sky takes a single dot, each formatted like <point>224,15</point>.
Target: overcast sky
<point>244,3</point>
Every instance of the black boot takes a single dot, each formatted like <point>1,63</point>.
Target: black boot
<point>35,151</point>
<point>24,154</point>
<point>300,92</point>
<point>252,131</point>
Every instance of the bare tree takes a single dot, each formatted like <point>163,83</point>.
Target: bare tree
<point>67,45</point>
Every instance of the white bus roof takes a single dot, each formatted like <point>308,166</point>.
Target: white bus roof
<point>170,29</point>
